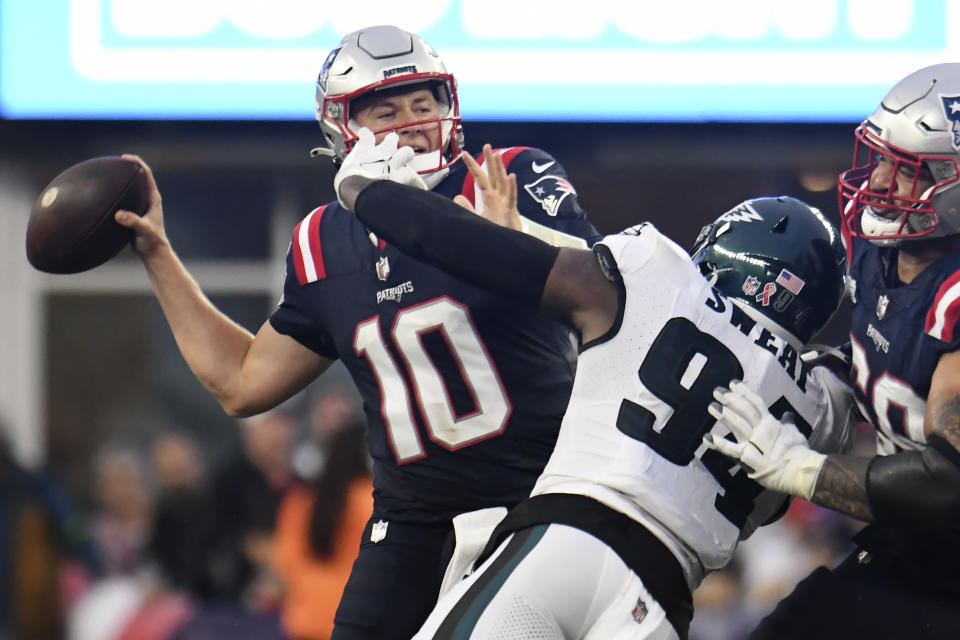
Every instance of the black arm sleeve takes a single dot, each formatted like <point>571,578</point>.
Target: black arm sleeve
<point>437,231</point>
<point>916,487</point>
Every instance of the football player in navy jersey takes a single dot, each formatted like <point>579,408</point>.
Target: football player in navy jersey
<point>901,221</point>
<point>633,509</point>
<point>463,393</point>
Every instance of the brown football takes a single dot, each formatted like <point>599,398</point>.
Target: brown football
<point>71,227</point>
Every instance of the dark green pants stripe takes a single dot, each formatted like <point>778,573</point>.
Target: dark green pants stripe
<point>462,619</point>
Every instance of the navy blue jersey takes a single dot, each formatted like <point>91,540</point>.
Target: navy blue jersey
<point>462,391</point>
<point>898,333</point>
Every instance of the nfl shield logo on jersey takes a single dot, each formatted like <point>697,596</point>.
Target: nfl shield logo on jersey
<point>383,269</point>
<point>639,612</point>
<point>882,303</point>
<point>379,531</point>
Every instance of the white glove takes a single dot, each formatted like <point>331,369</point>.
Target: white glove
<point>777,452</point>
<point>368,162</point>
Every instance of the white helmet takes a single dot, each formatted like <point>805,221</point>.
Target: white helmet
<point>917,130</point>
<point>382,57</point>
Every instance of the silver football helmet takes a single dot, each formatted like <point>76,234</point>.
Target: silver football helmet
<point>906,170</point>
<point>377,58</point>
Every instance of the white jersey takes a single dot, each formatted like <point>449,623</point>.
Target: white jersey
<point>632,436</point>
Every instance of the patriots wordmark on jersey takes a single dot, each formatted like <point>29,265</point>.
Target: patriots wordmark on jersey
<point>897,336</point>
<point>633,431</point>
<point>463,393</point>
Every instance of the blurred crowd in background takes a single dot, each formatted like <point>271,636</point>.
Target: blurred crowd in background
<point>169,546</point>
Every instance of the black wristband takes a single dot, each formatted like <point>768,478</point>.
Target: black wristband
<point>435,230</point>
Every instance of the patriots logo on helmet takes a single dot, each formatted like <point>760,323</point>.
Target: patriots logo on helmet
<point>951,109</point>
<point>550,192</point>
<point>325,69</point>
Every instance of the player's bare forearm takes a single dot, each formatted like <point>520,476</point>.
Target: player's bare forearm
<point>842,486</point>
<point>577,291</point>
<point>946,421</point>
<point>210,342</point>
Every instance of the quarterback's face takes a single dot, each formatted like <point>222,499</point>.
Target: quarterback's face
<point>412,114</point>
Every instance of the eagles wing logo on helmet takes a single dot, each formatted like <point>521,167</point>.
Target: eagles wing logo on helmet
<point>743,212</point>
<point>951,109</point>
<point>550,192</point>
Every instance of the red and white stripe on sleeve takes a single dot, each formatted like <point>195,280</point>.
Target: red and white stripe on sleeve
<point>470,189</point>
<point>943,314</point>
<point>307,251</point>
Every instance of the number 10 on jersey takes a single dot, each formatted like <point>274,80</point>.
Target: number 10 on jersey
<point>478,371</point>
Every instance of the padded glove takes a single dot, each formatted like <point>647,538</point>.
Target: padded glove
<point>775,450</point>
<point>368,162</point>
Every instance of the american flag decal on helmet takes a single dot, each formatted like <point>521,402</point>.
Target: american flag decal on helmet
<point>307,251</point>
<point>790,282</point>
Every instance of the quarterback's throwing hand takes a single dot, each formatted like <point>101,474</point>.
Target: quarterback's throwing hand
<point>368,162</point>
<point>775,450</point>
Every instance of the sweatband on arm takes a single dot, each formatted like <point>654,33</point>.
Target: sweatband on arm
<point>916,487</point>
<point>552,236</point>
<point>435,230</point>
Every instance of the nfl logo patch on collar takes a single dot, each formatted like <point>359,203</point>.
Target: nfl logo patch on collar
<point>379,531</point>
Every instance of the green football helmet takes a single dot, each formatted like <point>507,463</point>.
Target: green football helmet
<point>781,259</point>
